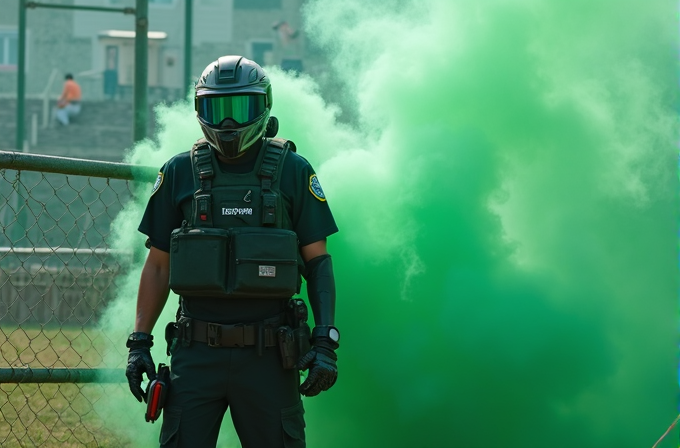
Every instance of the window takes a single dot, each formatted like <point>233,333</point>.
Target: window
<point>9,48</point>
<point>261,52</point>
<point>257,4</point>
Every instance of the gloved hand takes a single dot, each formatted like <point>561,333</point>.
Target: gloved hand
<point>323,371</point>
<point>139,362</point>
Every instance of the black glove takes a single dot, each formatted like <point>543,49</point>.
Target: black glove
<point>139,362</point>
<point>323,371</point>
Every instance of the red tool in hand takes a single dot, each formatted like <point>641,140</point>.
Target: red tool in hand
<point>156,393</point>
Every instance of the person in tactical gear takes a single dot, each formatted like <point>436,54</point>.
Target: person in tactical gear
<point>233,225</point>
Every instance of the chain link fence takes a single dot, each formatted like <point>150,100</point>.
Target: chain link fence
<point>57,275</point>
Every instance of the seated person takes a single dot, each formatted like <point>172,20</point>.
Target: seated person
<point>68,104</point>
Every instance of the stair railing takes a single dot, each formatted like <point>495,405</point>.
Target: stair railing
<point>46,98</point>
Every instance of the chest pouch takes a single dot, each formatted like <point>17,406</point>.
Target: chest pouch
<point>263,262</point>
<point>243,262</point>
<point>199,261</point>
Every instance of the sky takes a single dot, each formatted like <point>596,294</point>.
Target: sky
<point>504,177</point>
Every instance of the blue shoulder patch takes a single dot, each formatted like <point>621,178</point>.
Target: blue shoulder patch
<point>157,184</point>
<point>315,188</point>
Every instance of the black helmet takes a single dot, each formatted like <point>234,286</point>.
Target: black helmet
<point>233,101</point>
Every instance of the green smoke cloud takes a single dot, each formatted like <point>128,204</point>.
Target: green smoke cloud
<point>506,193</point>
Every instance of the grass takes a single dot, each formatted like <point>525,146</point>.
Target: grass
<point>54,415</point>
<point>39,347</point>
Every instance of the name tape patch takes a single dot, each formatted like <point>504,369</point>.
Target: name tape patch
<point>236,211</point>
<point>267,271</point>
<point>315,188</point>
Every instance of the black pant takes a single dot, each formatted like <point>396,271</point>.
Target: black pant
<point>263,398</point>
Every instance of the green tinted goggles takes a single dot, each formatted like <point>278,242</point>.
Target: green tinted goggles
<point>240,108</point>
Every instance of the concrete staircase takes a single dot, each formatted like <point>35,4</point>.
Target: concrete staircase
<point>102,131</point>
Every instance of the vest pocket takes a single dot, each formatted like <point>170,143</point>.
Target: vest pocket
<point>263,262</point>
<point>198,261</point>
<point>243,262</point>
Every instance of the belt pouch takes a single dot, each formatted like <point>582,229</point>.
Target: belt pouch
<point>287,347</point>
<point>198,261</point>
<point>263,262</point>
<point>171,337</point>
<point>185,331</point>
<point>302,335</point>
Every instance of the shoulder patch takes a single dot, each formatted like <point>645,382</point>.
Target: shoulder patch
<point>315,188</point>
<point>157,184</point>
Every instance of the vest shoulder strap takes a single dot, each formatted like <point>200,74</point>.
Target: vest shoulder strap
<point>201,164</point>
<point>272,162</point>
<point>282,142</point>
<point>275,152</point>
<point>201,160</point>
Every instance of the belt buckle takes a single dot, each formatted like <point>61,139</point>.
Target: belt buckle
<point>214,335</point>
<point>239,335</point>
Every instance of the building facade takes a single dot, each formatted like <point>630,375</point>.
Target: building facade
<point>98,47</point>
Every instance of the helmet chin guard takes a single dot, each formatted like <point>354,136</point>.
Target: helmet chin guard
<point>232,143</point>
<point>233,101</point>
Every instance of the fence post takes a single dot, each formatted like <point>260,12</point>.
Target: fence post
<point>21,74</point>
<point>141,69</point>
<point>34,130</point>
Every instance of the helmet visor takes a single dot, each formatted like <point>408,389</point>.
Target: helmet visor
<point>240,108</point>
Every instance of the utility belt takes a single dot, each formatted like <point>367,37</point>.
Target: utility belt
<point>289,331</point>
<point>239,335</point>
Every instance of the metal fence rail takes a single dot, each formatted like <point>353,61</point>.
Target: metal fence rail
<point>57,274</point>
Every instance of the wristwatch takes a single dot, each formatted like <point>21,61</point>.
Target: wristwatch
<point>328,331</point>
<point>139,336</point>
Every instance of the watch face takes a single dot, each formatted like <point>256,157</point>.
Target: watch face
<point>334,334</point>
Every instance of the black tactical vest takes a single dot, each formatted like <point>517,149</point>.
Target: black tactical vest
<point>237,239</point>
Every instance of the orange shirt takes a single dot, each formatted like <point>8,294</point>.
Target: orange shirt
<point>71,91</point>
